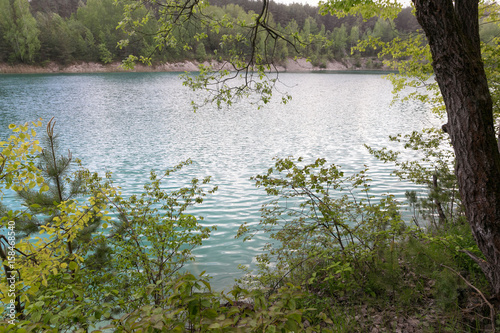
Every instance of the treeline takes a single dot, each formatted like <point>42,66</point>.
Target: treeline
<point>284,14</point>
<point>65,31</point>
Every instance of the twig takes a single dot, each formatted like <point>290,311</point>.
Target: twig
<point>492,308</point>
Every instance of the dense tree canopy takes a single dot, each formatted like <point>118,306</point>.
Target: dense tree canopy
<point>19,31</point>
<point>68,31</point>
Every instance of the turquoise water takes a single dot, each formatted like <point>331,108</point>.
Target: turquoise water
<point>129,123</point>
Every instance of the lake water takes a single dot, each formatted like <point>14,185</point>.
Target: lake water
<point>129,123</point>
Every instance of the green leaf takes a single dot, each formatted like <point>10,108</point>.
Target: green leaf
<point>271,329</point>
<point>214,325</point>
<point>210,314</point>
<point>292,325</point>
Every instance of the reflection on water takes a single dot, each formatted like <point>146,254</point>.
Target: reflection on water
<point>129,123</point>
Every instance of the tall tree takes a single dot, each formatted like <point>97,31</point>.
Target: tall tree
<point>19,29</point>
<point>101,18</point>
<point>452,30</point>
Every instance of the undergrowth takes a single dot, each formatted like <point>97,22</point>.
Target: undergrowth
<point>339,259</point>
<point>361,266</point>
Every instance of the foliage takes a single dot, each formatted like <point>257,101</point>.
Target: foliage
<point>49,267</point>
<point>247,42</point>
<point>17,167</point>
<point>59,287</point>
<point>19,30</point>
<point>101,18</point>
<point>326,227</point>
<point>58,186</point>
<point>18,172</point>
<point>247,46</point>
<point>193,307</point>
<point>33,263</point>
<point>433,168</point>
<point>105,56</point>
<point>490,47</point>
<point>349,251</point>
<point>68,274</point>
<point>153,239</point>
<point>383,8</point>
<point>410,55</point>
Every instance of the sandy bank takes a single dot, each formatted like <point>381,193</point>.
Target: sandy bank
<point>299,65</point>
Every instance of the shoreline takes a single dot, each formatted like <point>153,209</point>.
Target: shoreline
<point>291,65</point>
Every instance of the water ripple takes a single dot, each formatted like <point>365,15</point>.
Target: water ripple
<point>129,123</point>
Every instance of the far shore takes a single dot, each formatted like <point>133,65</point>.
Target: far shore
<point>291,65</point>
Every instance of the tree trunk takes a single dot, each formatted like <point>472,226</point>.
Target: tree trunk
<point>452,29</point>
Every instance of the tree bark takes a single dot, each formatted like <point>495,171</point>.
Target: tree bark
<point>452,30</point>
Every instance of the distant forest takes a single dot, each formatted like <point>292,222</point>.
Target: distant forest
<point>67,31</point>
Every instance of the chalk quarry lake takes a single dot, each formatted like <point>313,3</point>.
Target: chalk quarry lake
<point>130,123</point>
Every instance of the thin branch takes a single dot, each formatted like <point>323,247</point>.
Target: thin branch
<point>492,308</point>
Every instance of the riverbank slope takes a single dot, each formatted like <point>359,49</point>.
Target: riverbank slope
<point>291,65</point>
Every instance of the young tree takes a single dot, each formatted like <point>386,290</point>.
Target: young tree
<point>48,274</point>
<point>61,187</point>
<point>153,239</point>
